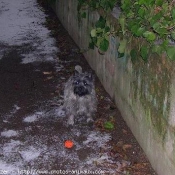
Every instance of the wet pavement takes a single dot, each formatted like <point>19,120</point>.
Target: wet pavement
<point>37,56</point>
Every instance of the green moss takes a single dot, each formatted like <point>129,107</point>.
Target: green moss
<point>152,87</point>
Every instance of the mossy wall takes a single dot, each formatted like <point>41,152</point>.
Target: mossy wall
<point>143,92</point>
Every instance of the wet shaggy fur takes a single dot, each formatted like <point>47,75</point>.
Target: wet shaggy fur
<point>79,96</point>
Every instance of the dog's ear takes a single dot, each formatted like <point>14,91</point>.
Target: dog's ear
<point>90,76</point>
<point>78,69</point>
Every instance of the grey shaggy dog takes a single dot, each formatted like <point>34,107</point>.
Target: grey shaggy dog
<point>79,96</point>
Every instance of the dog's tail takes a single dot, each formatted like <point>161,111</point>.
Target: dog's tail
<point>78,69</point>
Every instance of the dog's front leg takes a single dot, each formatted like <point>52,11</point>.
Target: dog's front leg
<point>70,120</point>
<point>89,118</point>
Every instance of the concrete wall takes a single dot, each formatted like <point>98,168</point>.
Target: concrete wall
<point>143,92</point>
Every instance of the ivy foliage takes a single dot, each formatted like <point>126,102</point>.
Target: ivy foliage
<point>101,31</point>
<point>51,2</point>
<point>152,21</point>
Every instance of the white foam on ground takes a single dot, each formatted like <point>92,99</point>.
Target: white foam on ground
<point>100,159</point>
<point>60,112</point>
<point>11,147</point>
<point>31,118</point>
<point>35,150</point>
<point>17,107</point>
<point>8,169</point>
<point>21,23</point>
<point>30,153</point>
<point>9,133</point>
<point>34,117</point>
<point>100,139</point>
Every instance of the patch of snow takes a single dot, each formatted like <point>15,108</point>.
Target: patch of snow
<point>17,107</point>
<point>8,169</point>
<point>30,154</point>
<point>100,139</point>
<point>40,113</point>
<point>33,118</point>
<point>11,146</point>
<point>59,112</point>
<point>22,22</point>
<point>58,68</point>
<point>9,133</point>
<point>100,159</point>
<point>11,114</point>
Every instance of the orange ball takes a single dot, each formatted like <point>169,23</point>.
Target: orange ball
<point>68,144</point>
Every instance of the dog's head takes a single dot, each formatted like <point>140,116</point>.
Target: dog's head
<point>83,83</point>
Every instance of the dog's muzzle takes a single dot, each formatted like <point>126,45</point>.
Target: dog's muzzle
<point>80,90</point>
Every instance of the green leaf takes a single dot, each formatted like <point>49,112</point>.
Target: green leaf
<point>99,40</point>
<point>104,44</point>
<point>120,55</point>
<point>130,14</point>
<point>109,125</point>
<point>112,3</point>
<point>144,53</point>
<point>126,4</point>
<point>171,52</point>
<point>101,22</point>
<point>92,4</point>
<point>134,28</point>
<point>173,14</point>
<point>130,24</point>
<point>159,29</point>
<point>141,2</point>
<point>156,26</point>
<point>173,35</point>
<point>137,30</point>
<point>122,23</point>
<point>141,12</point>
<point>94,40</point>
<point>157,49</point>
<point>165,44</point>
<point>107,5</point>
<point>80,4</point>
<point>150,36</point>
<point>107,29</point>
<point>133,54</point>
<point>83,15</point>
<point>156,18</point>
<point>140,31</point>
<point>150,2</point>
<point>165,6</point>
<point>162,31</point>
<point>91,45</point>
<point>99,30</point>
<point>122,46</point>
<point>146,2</point>
<point>159,2</point>
<point>93,33</point>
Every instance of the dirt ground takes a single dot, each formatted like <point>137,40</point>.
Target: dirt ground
<point>38,86</point>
